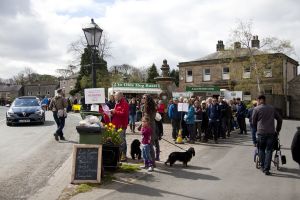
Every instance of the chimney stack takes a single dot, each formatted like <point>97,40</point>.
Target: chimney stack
<point>220,46</point>
<point>237,45</point>
<point>255,42</point>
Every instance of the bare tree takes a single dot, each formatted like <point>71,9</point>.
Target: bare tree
<point>77,48</point>
<point>243,33</point>
<point>29,73</point>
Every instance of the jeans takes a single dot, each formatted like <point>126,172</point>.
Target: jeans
<point>242,124</point>
<point>175,127</point>
<point>265,145</point>
<point>253,134</point>
<point>146,152</point>
<point>191,131</point>
<point>132,119</point>
<point>56,118</point>
<point>61,126</point>
<point>123,146</point>
<point>214,126</point>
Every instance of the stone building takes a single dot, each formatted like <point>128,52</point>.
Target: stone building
<point>41,89</point>
<point>9,92</point>
<point>294,97</point>
<point>68,84</point>
<point>231,70</point>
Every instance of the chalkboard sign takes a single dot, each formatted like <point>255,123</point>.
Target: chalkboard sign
<point>86,163</point>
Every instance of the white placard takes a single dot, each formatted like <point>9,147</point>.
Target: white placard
<point>94,95</point>
<point>183,107</point>
<point>95,107</point>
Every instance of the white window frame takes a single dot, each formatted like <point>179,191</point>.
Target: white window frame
<point>206,76</point>
<point>188,77</point>
<point>268,72</point>
<point>225,75</point>
<point>246,72</point>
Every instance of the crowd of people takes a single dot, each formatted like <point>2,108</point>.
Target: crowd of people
<point>212,118</point>
<point>203,120</point>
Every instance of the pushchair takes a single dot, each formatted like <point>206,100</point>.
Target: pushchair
<point>278,158</point>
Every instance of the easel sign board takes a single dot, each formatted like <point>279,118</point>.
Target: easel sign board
<point>183,107</point>
<point>87,162</point>
<point>94,95</point>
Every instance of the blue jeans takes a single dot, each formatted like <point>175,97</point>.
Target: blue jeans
<point>123,147</point>
<point>253,133</point>
<point>61,126</point>
<point>265,145</point>
<point>132,119</point>
<point>56,118</point>
<point>146,152</point>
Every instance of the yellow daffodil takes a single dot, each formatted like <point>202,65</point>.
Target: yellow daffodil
<point>110,124</point>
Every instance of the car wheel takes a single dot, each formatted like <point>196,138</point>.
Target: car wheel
<point>8,123</point>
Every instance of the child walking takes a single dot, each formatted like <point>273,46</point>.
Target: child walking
<point>146,140</point>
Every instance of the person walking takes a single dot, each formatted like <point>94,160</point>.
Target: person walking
<point>120,120</point>
<point>132,114</point>
<point>263,121</point>
<point>58,105</point>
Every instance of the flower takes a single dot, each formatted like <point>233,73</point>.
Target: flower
<point>111,135</point>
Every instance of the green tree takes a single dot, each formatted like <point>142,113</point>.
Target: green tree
<point>84,79</point>
<point>152,73</point>
<point>175,74</point>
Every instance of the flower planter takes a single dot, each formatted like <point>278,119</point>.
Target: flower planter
<point>110,156</point>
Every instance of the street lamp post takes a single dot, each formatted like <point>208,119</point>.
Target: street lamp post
<point>93,35</point>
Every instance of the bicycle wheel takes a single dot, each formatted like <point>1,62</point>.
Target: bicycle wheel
<point>276,161</point>
<point>257,162</point>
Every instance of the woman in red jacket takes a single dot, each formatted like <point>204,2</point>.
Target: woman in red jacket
<point>161,109</point>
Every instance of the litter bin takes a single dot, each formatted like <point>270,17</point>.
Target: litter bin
<point>89,135</point>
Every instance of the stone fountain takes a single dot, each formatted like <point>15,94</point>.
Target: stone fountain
<point>166,82</point>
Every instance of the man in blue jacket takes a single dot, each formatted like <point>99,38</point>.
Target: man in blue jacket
<point>213,112</point>
<point>174,115</point>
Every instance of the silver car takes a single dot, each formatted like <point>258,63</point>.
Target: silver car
<point>26,109</point>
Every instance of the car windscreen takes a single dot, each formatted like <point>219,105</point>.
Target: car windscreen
<point>25,102</point>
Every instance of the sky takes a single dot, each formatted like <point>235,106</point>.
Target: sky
<point>38,33</point>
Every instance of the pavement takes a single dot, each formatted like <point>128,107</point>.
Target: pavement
<point>218,171</point>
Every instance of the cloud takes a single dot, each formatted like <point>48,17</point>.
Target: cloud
<point>37,33</point>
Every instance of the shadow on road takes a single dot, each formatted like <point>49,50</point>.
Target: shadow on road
<point>149,191</point>
<point>179,172</point>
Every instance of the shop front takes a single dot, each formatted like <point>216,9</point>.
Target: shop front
<point>135,89</point>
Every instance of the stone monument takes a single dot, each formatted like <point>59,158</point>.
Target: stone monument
<point>166,82</point>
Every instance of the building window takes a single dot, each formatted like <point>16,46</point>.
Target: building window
<point>48,92</point>
<point>189,76</point>
<point>268,90</point>
<point>206,74</point>
<point>247,72</point>
<point>268,72</point>
<point>225,73</point>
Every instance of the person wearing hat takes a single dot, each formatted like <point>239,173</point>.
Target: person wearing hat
<point>58,105</point>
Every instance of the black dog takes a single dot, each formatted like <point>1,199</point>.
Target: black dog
<point>184,157</point>
<point>135,149</point>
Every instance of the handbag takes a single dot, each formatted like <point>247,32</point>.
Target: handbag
<point>62,113</point>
